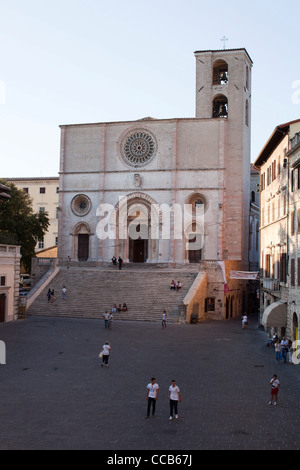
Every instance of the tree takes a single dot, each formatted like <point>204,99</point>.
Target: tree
<point>19,225</point>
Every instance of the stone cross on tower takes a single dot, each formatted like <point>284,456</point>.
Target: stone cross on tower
<point>224,39</point>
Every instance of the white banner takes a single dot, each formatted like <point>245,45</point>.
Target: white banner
<point>248,275</point>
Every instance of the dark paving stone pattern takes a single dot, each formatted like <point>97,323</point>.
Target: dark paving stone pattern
<point>54,393</point>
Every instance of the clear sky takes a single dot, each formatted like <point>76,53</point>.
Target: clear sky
<point>81,61</point>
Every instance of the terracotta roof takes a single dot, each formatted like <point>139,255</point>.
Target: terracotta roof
<point>276,137</point>
<point>42,178</point>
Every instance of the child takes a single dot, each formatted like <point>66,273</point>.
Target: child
<point>275,384</point>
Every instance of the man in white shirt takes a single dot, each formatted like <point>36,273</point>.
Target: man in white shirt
<point>174,397</point>
<point>152,394</point>
<point>105,353</point>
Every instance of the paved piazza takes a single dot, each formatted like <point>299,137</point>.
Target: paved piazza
<point>55,395</point>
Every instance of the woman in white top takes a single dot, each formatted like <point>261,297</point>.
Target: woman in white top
<point>105,353</point>
<point>110,321</point>
<point>174,397</point>
<point>164,320</point>
<point>244,321</point>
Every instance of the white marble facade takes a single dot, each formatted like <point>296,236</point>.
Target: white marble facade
<point>201,160</point>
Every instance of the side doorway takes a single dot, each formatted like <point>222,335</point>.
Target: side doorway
<point>2,307</point>
<point>83,247</point>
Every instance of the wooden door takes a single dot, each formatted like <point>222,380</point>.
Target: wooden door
<point>138,250</point>
<point>83,247</point>
<point>2,307</point>
<point>194,255</point>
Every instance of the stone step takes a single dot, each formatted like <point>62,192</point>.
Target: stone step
<point>92,291</point>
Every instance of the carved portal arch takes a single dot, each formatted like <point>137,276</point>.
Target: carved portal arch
<point>137,213</point>
<point>81,241</point>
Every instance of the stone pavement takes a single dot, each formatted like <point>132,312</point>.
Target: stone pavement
<point>55,395</point>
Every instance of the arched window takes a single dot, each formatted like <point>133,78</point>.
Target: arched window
<point>197,200</point>
<point>257,235</point>
<point>247,113</point>
<point>220,107</point>
<point>295,326</point>
<point>220,72</point>
<point>247,77</point>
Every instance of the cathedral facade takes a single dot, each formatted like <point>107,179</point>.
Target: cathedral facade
<point>164,191</point>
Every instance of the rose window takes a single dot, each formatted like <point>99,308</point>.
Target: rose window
<point>138,148</point>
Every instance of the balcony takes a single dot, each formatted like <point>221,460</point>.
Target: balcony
<point>271,284</point>
<point>295,140</point>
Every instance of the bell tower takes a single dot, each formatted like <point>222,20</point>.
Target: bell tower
<point>223,84</point>
<point>223,93</point>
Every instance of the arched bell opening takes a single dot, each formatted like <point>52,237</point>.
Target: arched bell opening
<point>220,107</point>
<point>220,72</point>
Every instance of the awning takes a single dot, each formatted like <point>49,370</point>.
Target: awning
<point>275,315</point>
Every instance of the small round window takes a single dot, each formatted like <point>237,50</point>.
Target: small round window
<point>81,205</point>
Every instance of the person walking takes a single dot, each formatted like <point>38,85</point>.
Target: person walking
<point>120,261</point>
<point>64,293</point>
<point>277,351</point>
<point>106,320</point>
<point>275,384</point>
<point>106,348</point>
<point>152,394</point>
<point>244,321</point>
<point>164,320</point>
<point>174,398</point>
<point>49,295</point>
<point>284,348</point>
<point>290,352</point>
<point>110,321</point>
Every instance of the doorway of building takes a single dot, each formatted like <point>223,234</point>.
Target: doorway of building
<point>138,250</point>
<point>194,255</point>
<point>295,327</point>
<point>83,247</point>
<point>2,307</point>
<point>138,231</point>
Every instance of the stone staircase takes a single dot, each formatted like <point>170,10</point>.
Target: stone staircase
<point>92,291</point>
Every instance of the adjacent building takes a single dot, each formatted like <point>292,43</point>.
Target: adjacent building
<point>253,287</point>
<point>9,282</point>
<point>279,163</point>
<point>44,194</point>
